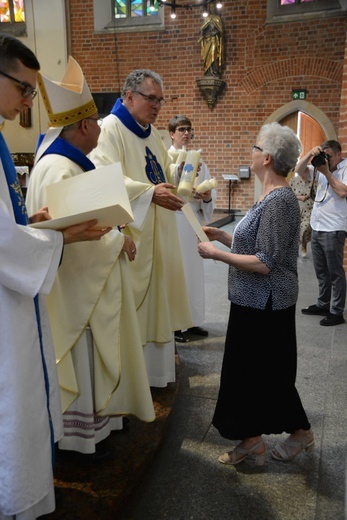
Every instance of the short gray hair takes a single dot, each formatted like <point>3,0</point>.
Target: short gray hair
<point>137,77</point>
<point>282,144</point>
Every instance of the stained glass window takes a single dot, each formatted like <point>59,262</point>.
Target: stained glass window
<point>286,2</point>
<point>134,8</point>
<point>12,11</point>
<point>120,9</point>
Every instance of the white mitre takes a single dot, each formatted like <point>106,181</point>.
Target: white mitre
<point>66,102</point>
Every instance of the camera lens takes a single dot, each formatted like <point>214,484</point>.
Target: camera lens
<point>319,160</point>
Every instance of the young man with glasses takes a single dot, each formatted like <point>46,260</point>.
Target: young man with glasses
<point>329,231</point>
<point>26,89</point>
<point>161,297</point>
<point>29,394</point>
<point>181,133</point>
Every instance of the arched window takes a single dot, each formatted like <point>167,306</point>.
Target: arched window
<point>12,17</point>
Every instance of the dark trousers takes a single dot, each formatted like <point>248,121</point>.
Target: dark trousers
<point>327,251</point>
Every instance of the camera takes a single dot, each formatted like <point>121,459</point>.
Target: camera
<point>319,160</point>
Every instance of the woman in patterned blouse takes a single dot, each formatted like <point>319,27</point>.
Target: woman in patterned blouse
<point>257,389</point>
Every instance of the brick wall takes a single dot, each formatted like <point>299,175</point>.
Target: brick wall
<point>263,63</point>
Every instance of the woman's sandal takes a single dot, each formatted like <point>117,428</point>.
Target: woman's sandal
<point>288,449</point>
<point>239,454</point>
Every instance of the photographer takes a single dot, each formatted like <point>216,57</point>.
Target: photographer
<point>329,229</point>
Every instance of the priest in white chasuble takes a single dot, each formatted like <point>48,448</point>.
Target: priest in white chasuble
<point>128,135</point>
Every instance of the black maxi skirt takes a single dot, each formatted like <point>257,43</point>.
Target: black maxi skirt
<point>257,387</point>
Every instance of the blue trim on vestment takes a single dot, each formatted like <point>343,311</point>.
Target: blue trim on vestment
<point>21,217</point>
<point>17,199</point>
<point>153,168</point>
<point>62,147</point>
<point>123,114</point>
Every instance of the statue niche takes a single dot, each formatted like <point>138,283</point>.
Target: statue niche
<point>211,39</point>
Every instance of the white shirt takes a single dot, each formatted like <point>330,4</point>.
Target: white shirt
<point>331,213</point>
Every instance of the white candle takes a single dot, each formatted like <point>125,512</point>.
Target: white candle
<point>181,157</point>
<point>206,185</point>
<point>174,154</point>
<point>188,174</point>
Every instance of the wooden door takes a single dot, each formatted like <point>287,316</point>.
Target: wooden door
<point>308,130</point>
<point>310,133</point>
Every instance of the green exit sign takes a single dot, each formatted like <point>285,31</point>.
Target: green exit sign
<point>299,94</point>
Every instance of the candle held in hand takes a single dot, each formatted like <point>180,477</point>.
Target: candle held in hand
<point>188,174</point>
<point>206,185</point>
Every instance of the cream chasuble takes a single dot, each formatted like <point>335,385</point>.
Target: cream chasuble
<point>93,289</point>
<point>157,273</point>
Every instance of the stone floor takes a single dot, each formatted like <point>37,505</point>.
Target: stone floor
<point>99,490</point>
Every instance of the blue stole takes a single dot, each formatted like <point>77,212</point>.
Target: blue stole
<point>127,119</point>
<point>62,147</point>
<point>21,217</point>
<point>153,168</point>
<point>18,204</point>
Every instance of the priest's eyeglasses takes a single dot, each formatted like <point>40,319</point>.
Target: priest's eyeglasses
<point>255,147</point>
<point>153,100</point>
<point>27,91</point>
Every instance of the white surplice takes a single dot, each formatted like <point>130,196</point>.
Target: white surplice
<point>29,261</point>
<point>193,264</point>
